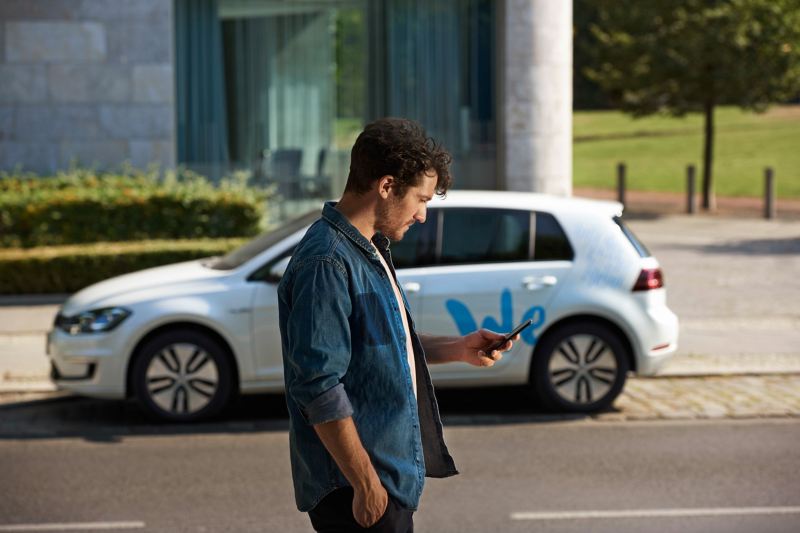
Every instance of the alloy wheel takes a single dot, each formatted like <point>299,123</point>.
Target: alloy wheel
<point>582,369</point>
<point>182,378</point>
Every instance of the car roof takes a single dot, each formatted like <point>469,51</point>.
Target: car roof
<point>526,200</point>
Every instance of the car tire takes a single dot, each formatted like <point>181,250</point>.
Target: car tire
<point>182,376</point>
<point>579,367</point>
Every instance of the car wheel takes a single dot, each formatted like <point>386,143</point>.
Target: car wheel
<point>580,368</point>
<point>182,376</point>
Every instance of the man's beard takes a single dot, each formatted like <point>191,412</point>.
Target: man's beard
<point>384,224</point>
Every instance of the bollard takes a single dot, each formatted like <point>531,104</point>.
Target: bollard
<point>621,183</point>
<point>769,193</point>
<point>691,206</point>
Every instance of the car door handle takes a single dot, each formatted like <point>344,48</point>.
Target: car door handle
<point>411,286</point>
<point>534,283</point>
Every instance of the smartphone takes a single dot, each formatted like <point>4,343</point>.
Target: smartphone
<point>505,339</point>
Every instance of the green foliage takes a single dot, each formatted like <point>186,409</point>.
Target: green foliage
<point>66,269</point>
<point>677,56</point>
<point>586,93</point>
<point>80,206</point>
<point>351,62</point>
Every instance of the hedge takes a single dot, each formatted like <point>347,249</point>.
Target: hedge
<point>80,206</point>
<point>67,269</point>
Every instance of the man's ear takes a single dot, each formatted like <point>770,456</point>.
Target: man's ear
<point>385,185</point>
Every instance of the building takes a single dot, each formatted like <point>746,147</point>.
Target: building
<point>280,88</point>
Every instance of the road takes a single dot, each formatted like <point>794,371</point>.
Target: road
<point>116,470</point>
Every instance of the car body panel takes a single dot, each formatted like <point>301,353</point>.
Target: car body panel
<point>499,302</point>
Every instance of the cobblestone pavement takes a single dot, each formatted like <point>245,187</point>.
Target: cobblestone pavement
<point>708,397</point>
<point>663,398</point>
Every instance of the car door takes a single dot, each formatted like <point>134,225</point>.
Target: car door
<point>484,274</point>
<point>266,332</point>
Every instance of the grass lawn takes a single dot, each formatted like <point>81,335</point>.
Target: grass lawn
<point>657,150</point>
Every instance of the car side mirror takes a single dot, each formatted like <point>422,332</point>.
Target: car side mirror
<point>277,270</point>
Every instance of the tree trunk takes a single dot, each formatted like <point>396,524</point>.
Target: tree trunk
<point>709,201</point>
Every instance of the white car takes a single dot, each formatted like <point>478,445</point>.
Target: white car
<point>185,338</point>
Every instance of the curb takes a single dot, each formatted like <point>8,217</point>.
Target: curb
<point>46,386</point>
<point>723,374</point>
<point>27,387</point>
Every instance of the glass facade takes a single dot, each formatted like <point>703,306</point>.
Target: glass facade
<point>281,89</point>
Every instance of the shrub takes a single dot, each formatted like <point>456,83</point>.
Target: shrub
<point>66,269</point>
<point>81,206</point>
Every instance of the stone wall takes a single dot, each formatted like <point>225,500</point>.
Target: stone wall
<point>89,81</point>
<point>536,96</point>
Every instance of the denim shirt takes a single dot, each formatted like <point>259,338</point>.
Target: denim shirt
<point>344,354</point>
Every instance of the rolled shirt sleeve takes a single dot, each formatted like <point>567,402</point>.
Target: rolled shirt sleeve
<point>317,354</point>
<point>333,404</point>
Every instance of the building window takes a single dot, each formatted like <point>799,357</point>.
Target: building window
<point>281,89</point>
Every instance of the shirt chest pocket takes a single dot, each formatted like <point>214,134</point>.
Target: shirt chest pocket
<point>371,320</point>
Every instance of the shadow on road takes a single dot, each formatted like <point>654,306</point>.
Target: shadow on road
<point>783,246</point>
<point>111,420</point>
<point>788,246</point>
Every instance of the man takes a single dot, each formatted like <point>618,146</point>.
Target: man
<point>365,427</point>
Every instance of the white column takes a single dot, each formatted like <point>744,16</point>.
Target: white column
<point>536,96</point>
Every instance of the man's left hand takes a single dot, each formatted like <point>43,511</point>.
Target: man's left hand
<point>477,343</point>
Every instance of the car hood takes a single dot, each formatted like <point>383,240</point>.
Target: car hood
<point>162,280</point>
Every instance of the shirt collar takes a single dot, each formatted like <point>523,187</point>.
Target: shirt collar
<point>340,222</point>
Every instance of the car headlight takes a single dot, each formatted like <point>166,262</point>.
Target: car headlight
<point>95,321</point>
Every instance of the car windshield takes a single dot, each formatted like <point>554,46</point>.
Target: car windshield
<point>249,250</point>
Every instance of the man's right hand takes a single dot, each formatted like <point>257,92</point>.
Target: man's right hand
<point>342,442</point>
<point>370,504</point>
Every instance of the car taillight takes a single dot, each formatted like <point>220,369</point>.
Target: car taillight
<point>649,278</point>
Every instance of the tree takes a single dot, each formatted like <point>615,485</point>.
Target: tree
<point>681,56</point>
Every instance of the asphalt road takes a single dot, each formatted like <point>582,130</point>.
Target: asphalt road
<point>725,475</point>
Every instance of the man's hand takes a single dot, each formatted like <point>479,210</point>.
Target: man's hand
<point>477,343</point>
<point>470,348</point>
<point>369,504</point>
<point>343,443</point>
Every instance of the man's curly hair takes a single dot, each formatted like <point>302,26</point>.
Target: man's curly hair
<point>396,147</point>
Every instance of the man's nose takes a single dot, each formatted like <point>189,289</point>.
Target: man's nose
<point>421,215</point>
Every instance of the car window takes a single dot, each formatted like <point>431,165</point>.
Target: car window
<point>252,248</point>
<point>551,242</point>
<point>484,236</point>
<point>637,244</point>
<point>263,273</point>
<point>418,246</point>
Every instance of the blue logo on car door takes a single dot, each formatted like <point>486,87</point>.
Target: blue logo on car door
<point>466,323</point>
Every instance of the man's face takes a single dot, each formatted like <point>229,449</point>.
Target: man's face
<point>398,214</point>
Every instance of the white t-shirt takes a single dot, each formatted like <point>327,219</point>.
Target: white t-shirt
<point>400,305</point>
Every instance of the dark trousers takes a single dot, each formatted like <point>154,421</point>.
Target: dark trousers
<point>334,514</point>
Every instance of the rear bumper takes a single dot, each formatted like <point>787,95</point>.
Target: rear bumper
<point>650,364</point>
<point>660,342</point>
